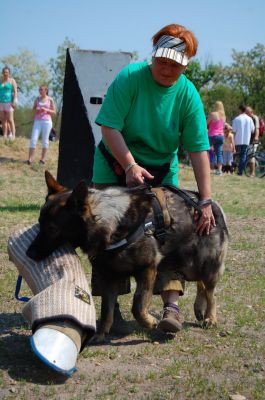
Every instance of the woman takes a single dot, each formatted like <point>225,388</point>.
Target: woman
<point>148,107</point>
<point>44,108</point>
<point>8,101</point>
<point>216,123</point>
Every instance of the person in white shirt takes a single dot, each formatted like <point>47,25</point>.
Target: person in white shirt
<point>243,127</point>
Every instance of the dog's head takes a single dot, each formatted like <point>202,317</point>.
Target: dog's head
<point>61,218</point>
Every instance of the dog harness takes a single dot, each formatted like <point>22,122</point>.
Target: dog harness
<point>157,225</point>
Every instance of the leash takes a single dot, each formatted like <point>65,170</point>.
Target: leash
<point>186,197</point>
<point>17,290</point>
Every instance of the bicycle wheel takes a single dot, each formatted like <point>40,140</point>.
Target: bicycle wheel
<point>249,167</point>
<point>260,165</point>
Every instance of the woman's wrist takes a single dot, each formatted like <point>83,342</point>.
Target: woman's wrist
<point>205,202</point>
<point>129,167</point>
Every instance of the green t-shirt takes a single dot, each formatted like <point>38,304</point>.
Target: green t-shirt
<point>151,119</point>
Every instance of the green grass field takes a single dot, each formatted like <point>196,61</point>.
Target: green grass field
<point>197,364</point>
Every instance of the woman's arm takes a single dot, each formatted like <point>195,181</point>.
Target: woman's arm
<point>135,174</point>
<point>14,84</point>
<point>233,143</point>
<point>52,109</point>
<point>201,168</point>
<point>34,108</point>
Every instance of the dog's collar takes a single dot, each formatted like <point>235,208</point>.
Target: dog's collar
<point>155,227</point>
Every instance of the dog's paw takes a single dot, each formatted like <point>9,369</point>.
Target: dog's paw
<point>199,314</point>
<point>149,322</point>
<point>209,323</point>
<point>98,338</point>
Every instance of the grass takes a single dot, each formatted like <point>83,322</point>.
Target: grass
<point>197,364</point>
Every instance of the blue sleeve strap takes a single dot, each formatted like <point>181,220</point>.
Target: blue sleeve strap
<point>18,287</point>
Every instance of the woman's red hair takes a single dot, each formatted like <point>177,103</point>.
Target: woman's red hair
<point>180,32</point>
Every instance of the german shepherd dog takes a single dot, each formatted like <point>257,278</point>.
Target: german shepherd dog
<point>113,226</point>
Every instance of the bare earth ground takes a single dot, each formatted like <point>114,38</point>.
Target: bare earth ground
<point>197,364</point>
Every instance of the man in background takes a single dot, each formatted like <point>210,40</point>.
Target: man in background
<point>254,140</point>
<point>243,126</point>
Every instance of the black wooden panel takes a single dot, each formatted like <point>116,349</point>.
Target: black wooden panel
<point>77,144</point>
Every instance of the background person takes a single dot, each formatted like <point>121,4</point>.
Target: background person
<point>243,127</point>
<point>228,148</point>
<point>8,101</point>
<point>146,107</point>
<point>215,124</point>
<point>254,140</point>
<point>44,108</point>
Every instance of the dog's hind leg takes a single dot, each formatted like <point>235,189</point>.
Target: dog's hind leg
<point>145,281</point>
<point>200,304</point>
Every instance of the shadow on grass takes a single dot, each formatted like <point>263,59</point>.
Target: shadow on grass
<point>143,335</point>
<point>16,356</point>
<point>20,208</point>
<point>5,160</point>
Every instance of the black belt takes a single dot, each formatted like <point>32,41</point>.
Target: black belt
<point>159,172</point>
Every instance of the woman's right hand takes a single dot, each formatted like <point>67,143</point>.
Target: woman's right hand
<point>136,176</point>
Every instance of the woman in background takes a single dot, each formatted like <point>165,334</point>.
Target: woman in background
<point>8,101</point>
<point>215,124</point>
<point>44,108</point>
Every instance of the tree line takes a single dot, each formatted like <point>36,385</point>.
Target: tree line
<point>242,82</point>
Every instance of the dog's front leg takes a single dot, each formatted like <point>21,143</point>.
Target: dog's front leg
<point>108,300</point>
<point>145,281</point>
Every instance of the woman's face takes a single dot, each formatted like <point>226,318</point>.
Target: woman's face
<point>43,91</point>
<point>165,71</point>
<point>6,73</point>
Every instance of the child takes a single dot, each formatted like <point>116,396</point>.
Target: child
<point>228,149</point>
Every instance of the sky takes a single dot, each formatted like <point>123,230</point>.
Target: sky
<point>120,25</point>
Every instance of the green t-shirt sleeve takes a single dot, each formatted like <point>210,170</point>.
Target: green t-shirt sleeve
<point>117,102</point>
<point>194,133</point>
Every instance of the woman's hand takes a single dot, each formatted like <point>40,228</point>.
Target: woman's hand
<point>206,221</point>
<point>136,175</point>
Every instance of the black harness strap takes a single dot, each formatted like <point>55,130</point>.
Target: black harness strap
<point>159,222</point>
<point>191,200</point>
<point>156,226</point>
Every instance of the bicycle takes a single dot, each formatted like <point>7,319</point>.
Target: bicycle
<point>258,155</point>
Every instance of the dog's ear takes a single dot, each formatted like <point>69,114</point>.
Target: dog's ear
<point>52,185</point>
<point>78,196</point>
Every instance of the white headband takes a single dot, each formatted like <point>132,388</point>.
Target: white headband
<point>172,48</point>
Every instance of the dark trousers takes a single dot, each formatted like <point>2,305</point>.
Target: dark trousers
<point>242,149</point>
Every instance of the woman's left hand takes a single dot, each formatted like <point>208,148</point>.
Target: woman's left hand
<point>206,221</point>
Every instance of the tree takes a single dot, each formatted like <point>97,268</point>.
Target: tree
<point>201,77</point>
<point>57,67</point>
<point>230,97</point>
<point>28,73</point>
<point>246,75</point>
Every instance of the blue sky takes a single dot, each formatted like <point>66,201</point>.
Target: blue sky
<point>41,26</point>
